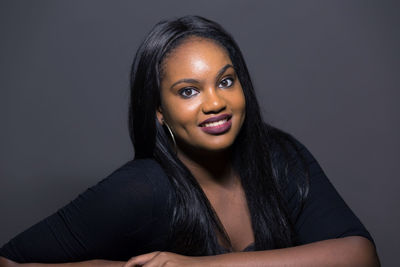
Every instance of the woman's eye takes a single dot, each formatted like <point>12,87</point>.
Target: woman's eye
<point>188,92</point>
<point>225,83</point>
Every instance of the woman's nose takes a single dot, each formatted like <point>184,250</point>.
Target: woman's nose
<point>212,101</point>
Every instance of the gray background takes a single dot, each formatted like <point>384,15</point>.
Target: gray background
<point>326,71</point>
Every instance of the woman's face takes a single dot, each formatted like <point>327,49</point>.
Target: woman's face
<point>201,97</point>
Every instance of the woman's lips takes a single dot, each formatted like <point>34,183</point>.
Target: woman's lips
<point>217,127</point>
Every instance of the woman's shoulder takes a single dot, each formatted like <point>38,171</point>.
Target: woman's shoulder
<point>137,191</point>
<point>282,142</point>
<point>143,166</point>
<point>316,209</point>
<point>140,171</point>
<point>138,181</point>
<point>287,153</point>
<point>293,159</point>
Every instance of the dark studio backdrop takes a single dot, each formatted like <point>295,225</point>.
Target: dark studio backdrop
<point>326,71</point>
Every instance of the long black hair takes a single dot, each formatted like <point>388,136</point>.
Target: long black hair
<point>194,222</point>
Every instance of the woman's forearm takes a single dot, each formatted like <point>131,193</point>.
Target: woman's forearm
<point>348,251</point>
<point>90,263</point>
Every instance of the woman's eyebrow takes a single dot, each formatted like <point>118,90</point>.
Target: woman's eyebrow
<point>184,81</point>
<point>219,74</point>
<point>223,69</point>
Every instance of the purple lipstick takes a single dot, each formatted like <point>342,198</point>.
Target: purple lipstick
<point>217,125</point>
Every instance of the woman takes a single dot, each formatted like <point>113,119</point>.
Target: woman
<point>211,184</point>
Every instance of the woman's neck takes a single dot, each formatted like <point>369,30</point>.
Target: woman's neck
<point>211,170</point>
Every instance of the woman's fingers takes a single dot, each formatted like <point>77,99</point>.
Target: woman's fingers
<point>141,259</point>
<point>163,258</point>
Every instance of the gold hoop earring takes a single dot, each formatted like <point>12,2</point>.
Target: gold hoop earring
<point>172,136</point>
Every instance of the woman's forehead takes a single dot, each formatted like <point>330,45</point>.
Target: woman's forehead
<point>195,56</point>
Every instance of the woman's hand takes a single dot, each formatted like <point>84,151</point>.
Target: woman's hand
<point>161,258</point>
<point>4,262</point>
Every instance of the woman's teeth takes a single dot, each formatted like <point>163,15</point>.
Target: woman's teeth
<point>216,123</point>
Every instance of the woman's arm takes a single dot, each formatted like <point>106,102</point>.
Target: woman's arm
<point>121,216</point>
<point>348,251</point>
<point>90,263</point>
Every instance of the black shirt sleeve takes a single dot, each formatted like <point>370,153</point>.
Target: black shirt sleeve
<point>122,216</point>
<point>323,214</point>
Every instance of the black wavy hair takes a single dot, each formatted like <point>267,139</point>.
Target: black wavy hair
<point>194,222</point>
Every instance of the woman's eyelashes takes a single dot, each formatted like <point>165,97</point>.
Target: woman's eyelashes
<point>226,82</point>
<point>189,92</point>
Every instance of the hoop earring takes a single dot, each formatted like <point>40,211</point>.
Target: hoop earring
<point>172,136</point>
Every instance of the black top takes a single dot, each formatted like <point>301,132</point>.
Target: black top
<point>126,214</point>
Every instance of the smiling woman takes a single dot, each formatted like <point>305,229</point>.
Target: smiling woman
<point>211,183</point>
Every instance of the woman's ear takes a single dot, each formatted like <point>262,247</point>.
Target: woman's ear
<point>160,116</point>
